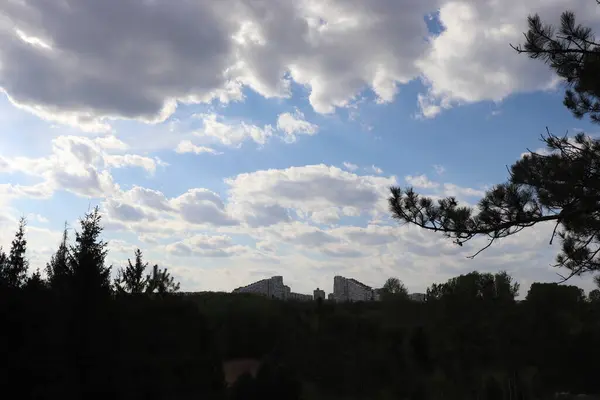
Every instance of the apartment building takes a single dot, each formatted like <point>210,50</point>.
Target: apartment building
<point>319,294</point>
<point>349,289</point>
<point>273,288</point>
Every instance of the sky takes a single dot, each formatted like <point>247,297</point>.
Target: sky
<point>234,140</point>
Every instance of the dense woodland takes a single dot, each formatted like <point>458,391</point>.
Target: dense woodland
<point>75,334</point>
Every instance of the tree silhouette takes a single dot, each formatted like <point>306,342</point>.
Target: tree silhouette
<point>161,282</point>
<point>476,285</point>
<point>13,268</point>
<point>393,288</point>
<point>3,267</point>
<point>562,186</point>
<point>58,270</point>
<point>35,282</point>
<point>574,54</point>
<point>86,258</point>
<point>131,279</point>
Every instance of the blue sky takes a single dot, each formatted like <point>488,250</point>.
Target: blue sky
<point>235,140</point>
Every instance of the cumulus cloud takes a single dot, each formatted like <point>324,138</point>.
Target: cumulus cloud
<point>377,170</point>
<point>311,188</point>
<point>111,142</point>
<point>232,134</point>
<point>77,164</point>
<point>153,199</point>
<point>420,181</point>
<point>206,246</point>
<point>471,60</point>
<point>349,166</point>
<point>97,63</point>
<point>295,124</point>
<point>72,64</point>
<point>451,189</point>
<point>126,212</point>
<point>186,146</point>
<point>439,169</point>
<point>372,235</point>
<point>202,206</point>
<point>444,189</point>
<point>336,49</point>
<point>326,216</point>
<point>133,160</point>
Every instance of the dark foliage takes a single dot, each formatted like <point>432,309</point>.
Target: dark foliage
<point>89,275</point>
<point>132,279</point>
<point>14,266</point>
<point>393,289</point>
<point>58,270</point>
<point>574,54</point>
<point>469,340</point>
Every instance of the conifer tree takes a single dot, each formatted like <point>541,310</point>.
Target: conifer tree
<point>161,282</point>
<point>58,270</point>
<point>90,275</point>
<point>574,54</point>
<point>14,266</point>
<point>35,281</point>
<point>3,267</point>
<point>561,186</point>
<point>131,279</point>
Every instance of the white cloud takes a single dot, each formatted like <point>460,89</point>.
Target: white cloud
<point>37,218</point>
<point>206,246</point>
<point>451,189</point>
<point>471,60</point>
<point>77,164</point>
<point>232,134</point>
<point>377,170</point>
<point>72,65</point>
<point>350,167</point>
<point>294,124</point>
<point>439,169</point>
<point>186,146</point>
<point>133,160</point>
<point>126,212</point>
<point>311,188</point>
<point>152,199</point>
<point>420,181</point>
<point>372,235</point>
<point>327,216</point>
<point>202,206</point>
<point>111,142</point>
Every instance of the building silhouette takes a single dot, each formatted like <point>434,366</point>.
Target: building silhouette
<point>349,289</point>
<point>319,294</point>
<point>344,290</point>
<point>273,288</point>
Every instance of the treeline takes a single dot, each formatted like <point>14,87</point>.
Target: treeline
<point>470,340</point>
<point>76,334</point>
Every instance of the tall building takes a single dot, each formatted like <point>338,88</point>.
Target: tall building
<point>348,289</point>
<point>319,294</point>
<point>273,288</point>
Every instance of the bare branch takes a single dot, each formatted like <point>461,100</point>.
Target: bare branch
<point>482,249</point>
<point>554,231</point>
